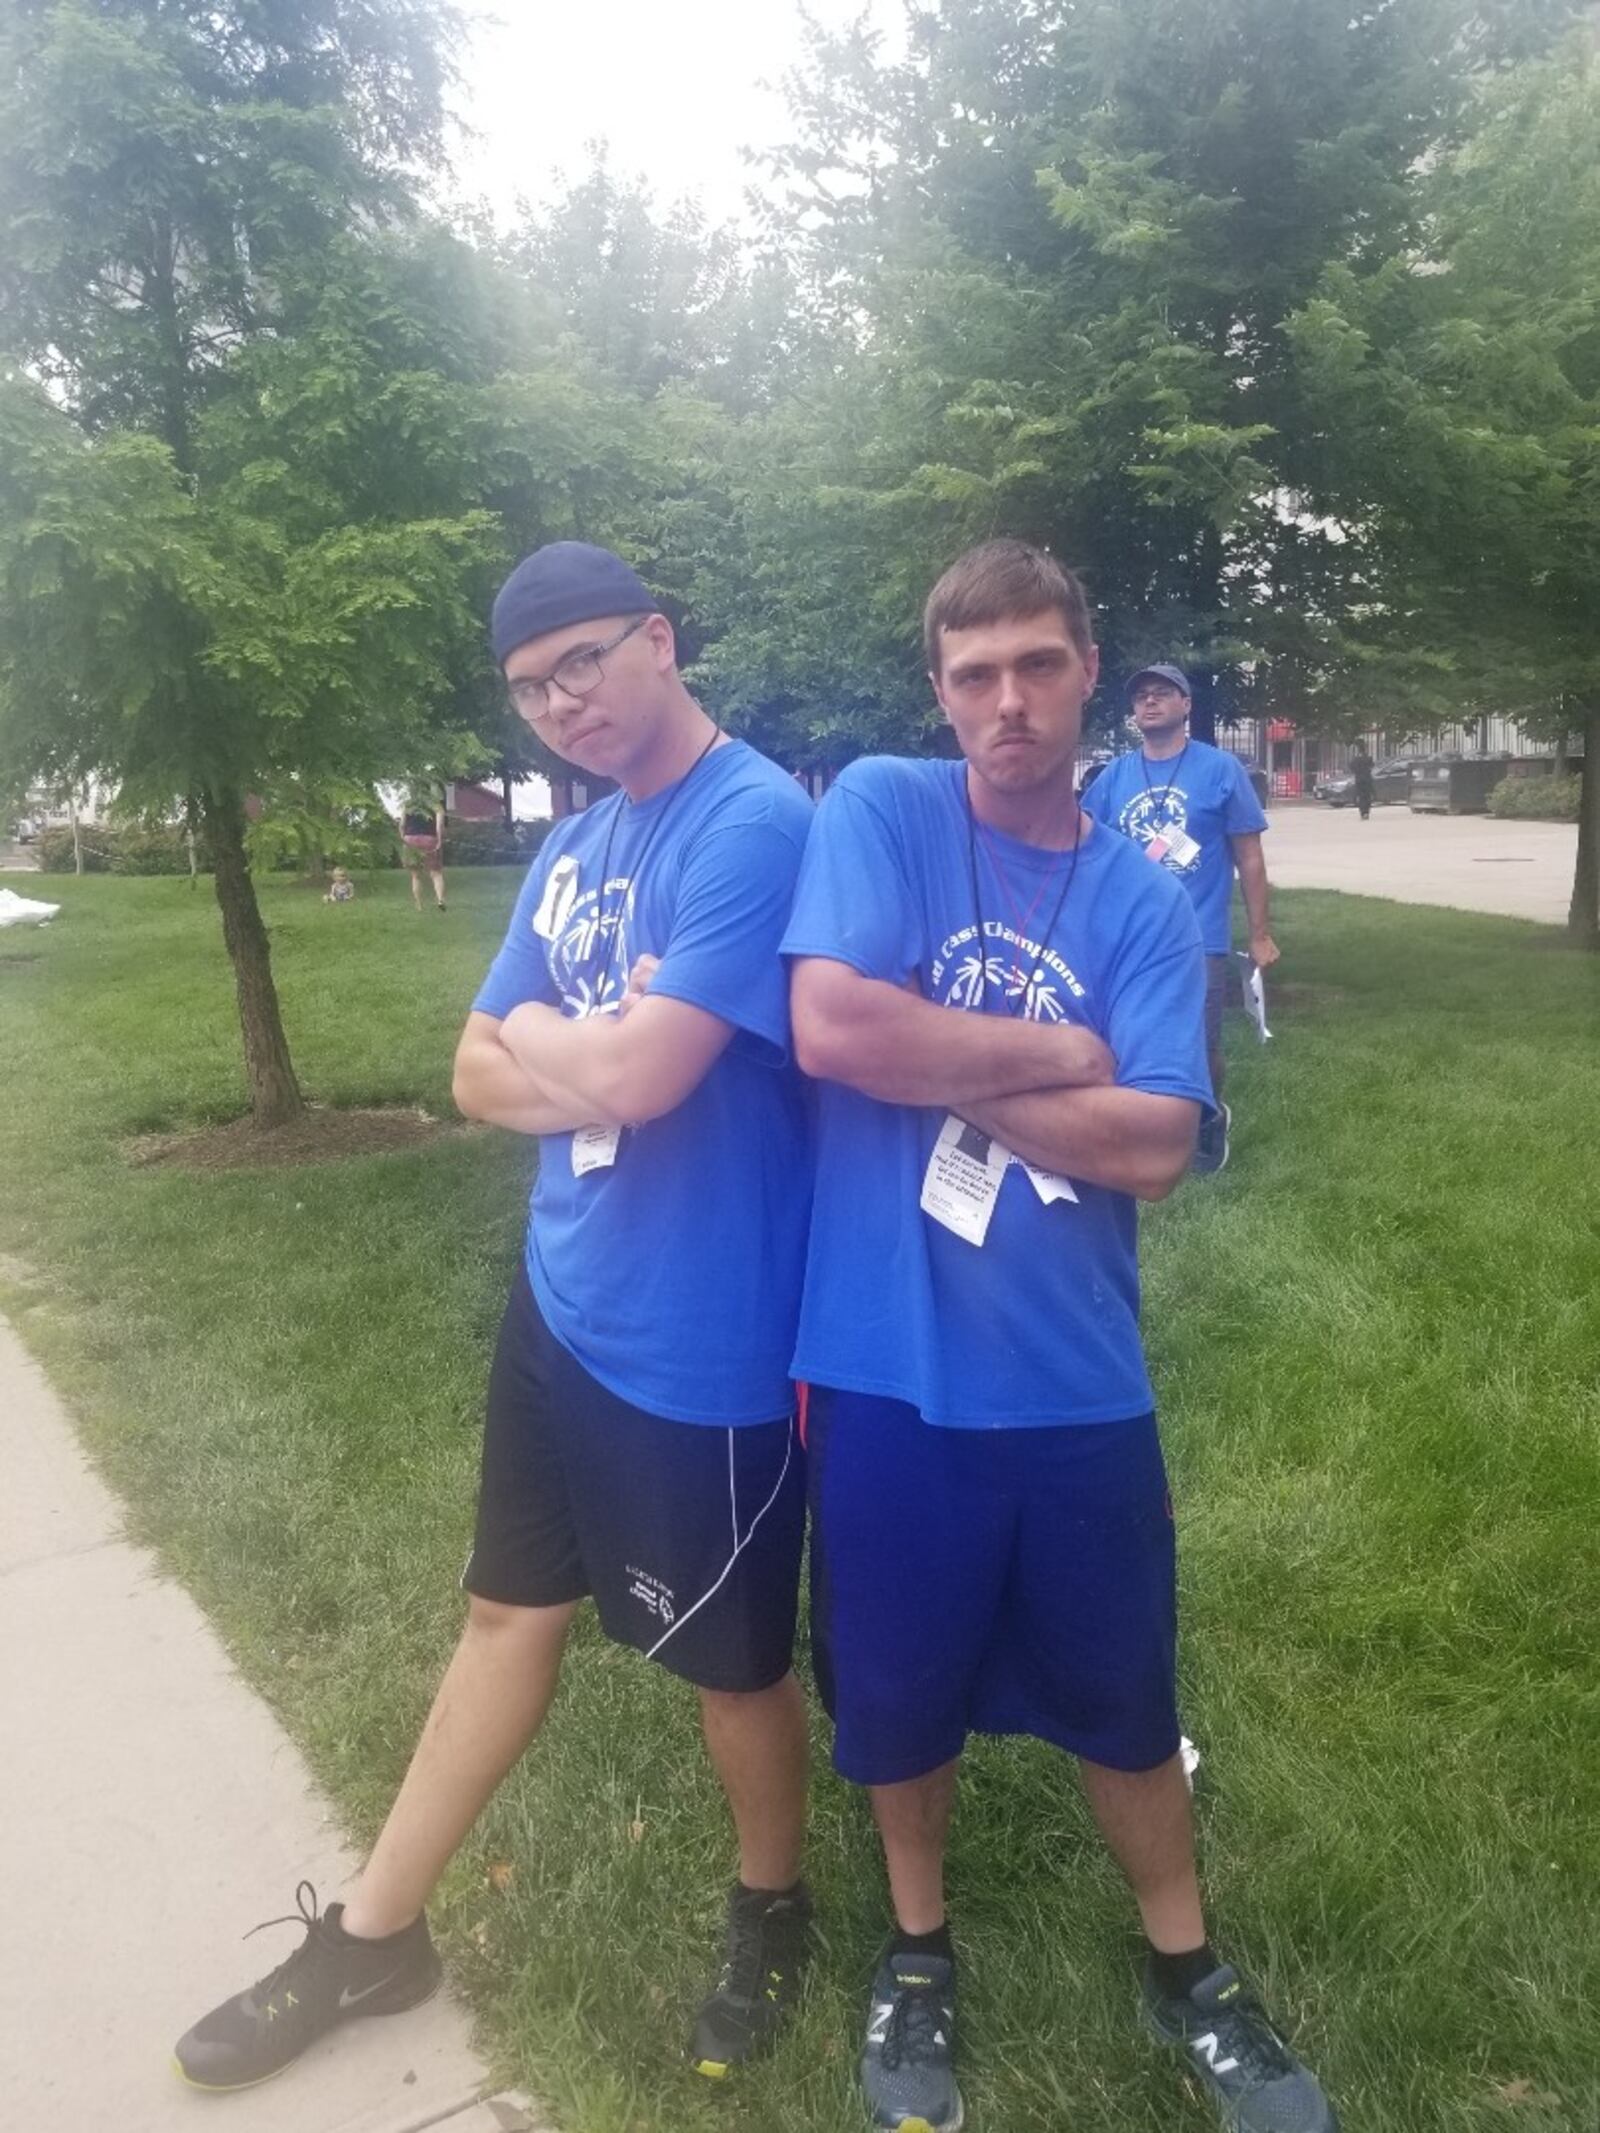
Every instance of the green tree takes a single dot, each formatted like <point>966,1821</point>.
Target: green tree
<point>1057,246</point>
<point>191,603</point>
<point>1458,391</point>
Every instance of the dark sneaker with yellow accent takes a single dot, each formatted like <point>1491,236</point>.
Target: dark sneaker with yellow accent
<point>769,1938</point>
<point>1254,2079</point>
<point>907,2063</point>
<point>331,1977</point>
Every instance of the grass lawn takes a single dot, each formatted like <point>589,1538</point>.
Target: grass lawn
<point>1376,1337</point>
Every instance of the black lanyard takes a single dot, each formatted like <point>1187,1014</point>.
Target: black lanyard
<point>638,865</point>
<point>1166,790</point>
<point>1070,872</point>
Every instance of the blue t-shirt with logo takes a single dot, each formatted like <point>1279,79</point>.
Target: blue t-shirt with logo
<point>1203,794</point>
<point>674,1275</point>
<point>1039,1324</point>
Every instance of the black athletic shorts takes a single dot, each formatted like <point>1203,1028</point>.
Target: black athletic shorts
<point>687,1534</point>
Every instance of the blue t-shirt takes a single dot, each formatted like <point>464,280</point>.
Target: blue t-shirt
<point>674,1275</point>
<point>1039,1324</point>
<point>1203,794</point>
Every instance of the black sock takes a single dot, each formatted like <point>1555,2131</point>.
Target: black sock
<point>935,1943</point>
<point>769,1895</point>
<point>1178,1975</point>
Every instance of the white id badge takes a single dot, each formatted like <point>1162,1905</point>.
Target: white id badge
<point>556,903</point>
<point>1182,850</point>
<point>1047,1184</point>
<point>594,1148</point>
<point>963,1179</point>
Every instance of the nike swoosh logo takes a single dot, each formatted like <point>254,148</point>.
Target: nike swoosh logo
<point>348,1999</point>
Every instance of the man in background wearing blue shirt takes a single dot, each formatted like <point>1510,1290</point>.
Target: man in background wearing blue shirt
<point>640,1446</point>
<point>1002,1002</point>
<point>1190,807</point>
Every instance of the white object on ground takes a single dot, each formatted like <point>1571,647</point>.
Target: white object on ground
<point>18,910</point>
<point>1189,1756</point>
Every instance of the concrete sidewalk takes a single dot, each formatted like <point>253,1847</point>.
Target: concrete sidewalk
<point>1468,862</point>
<point>151,1809</point>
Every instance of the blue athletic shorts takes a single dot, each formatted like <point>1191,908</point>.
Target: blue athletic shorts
<point>991,1581</point>
<point>687,1536</point>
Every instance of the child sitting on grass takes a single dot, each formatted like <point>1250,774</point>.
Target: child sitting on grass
<point>341,889</point>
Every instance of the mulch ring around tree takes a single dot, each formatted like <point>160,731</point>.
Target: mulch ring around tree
<point>319,1135</point>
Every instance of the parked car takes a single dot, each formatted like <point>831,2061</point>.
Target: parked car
<point>1456,784</point>
<point>1391,783</point>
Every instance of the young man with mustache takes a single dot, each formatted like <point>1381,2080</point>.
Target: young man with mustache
<point>1003,1003</point>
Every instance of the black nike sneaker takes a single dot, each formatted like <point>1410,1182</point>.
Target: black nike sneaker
<point>908,2060</point>
<point>331,1977</point>
<point>768,1941</point>
<point>1255,2080</point>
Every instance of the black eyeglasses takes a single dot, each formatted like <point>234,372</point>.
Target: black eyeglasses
<point>575,675</point>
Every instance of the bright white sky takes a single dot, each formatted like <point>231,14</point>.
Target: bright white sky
<point>674,86</point>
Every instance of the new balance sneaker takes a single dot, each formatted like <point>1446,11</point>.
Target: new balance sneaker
<point>331,1977</point>
<point>1255,2080</point>
<point>907,2065</point>
<point>763,1962</point>
<point>1211,1145</point>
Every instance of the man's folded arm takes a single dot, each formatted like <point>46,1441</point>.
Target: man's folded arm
<point>1127,1139</point>
<point>616,1070</point>
<point>894,1045</point>
<point>489,1084</point>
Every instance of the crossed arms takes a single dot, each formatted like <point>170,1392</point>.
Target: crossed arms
<point>1047,1091</point>
<point>540,1072</point>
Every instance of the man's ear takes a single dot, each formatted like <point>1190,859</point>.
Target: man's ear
<point>938,694</point>
<point>663,642</point>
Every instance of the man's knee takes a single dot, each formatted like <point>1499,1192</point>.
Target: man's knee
<point>499,1622</point>
<point>735,1704</point>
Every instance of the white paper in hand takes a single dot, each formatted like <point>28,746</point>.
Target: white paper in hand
<point>1253,986</point>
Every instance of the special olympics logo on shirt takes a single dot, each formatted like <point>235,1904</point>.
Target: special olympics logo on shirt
<point>589,957</point>
<point>1161,813</point>
<point>1010,971</point>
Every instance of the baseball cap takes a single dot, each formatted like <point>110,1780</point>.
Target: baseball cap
<point>1175,675</point>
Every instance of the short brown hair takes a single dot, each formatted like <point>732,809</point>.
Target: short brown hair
<point>996,581</point>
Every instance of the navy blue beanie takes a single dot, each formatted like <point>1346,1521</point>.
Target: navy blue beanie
<point>563,582</point>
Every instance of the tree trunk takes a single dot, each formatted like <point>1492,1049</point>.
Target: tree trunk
<point>274,1093</point>
<point>505,795</point>
<point>1583,917</point>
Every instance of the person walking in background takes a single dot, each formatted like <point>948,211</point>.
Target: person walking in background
<point>422,845</point>
<point>1361,771</point>
<point>1191,808</point>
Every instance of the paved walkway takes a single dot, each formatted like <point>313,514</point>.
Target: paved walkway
<point>150,1810</point>
<point>1470,862</point>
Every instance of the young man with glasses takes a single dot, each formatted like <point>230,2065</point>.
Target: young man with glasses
<point>1191,808</point>
<point>1001,1001</point>
<point>640,1448</point>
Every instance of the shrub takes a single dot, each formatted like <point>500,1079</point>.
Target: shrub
<point>126,848</point>
<point>53,851</point>
<point>1546,799</point>
<point>140,850</point>
<point>492,844</point>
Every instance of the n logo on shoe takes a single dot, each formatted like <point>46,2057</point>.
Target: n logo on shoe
<point>1209,2048</point>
